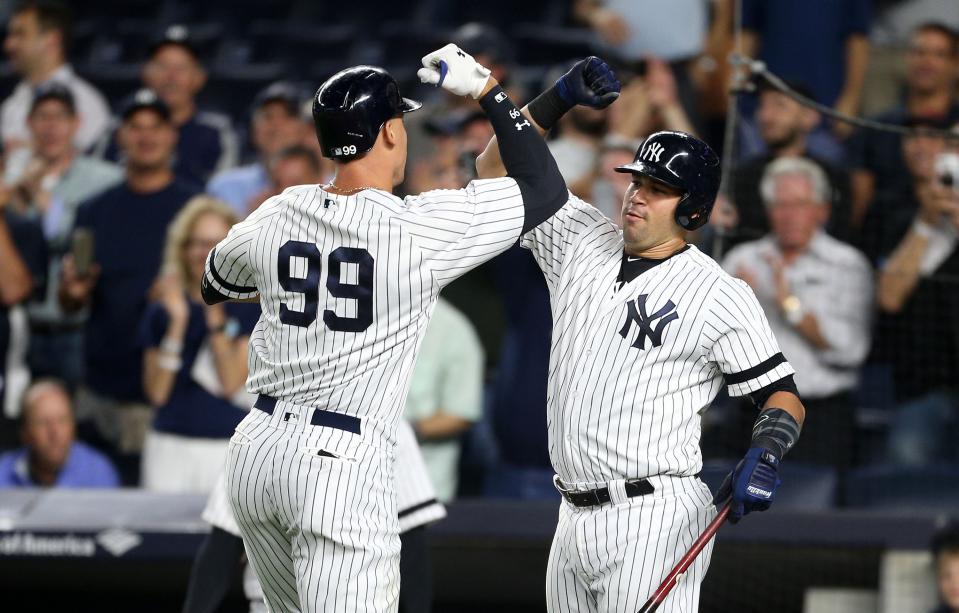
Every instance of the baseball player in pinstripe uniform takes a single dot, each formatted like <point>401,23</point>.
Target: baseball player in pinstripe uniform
<point>646,329</point>
<point>347,275</point>
<point>417,506</point>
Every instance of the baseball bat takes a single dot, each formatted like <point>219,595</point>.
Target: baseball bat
<point>676,575</point>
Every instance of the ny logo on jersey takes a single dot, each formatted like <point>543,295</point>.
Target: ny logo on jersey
<point>653,152</point>
<point>636,313</point>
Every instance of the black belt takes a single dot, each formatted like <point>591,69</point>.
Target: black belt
<point>320,417</point>
<point>592,498</point>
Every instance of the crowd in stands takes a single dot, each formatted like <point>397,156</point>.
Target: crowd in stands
<point>114,371</point>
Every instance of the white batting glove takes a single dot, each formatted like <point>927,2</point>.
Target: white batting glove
<point>454,70</point>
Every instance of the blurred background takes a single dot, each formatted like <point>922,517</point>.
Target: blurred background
<point>136,132</point>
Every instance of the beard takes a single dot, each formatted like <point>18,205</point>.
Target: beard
<point>778,143</point>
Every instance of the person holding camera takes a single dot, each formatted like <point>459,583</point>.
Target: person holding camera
<point>49,180</point>
<point>126,228</point>
<point>919,300</point>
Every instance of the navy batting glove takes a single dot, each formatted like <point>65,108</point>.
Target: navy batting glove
<point>590,82</point>
<point>751,485</point>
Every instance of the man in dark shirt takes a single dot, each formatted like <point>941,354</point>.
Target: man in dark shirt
<point>207,143</point>
<point>932,72</point>
<point>23,265</point>
<point>128,224</point>
<point>785,126</point>
<point>519,390</point>
<point>918,295</point>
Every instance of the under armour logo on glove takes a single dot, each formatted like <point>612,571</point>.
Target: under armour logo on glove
<point>461,54</point>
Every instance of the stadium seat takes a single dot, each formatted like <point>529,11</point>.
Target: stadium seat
<point>231,89</point>
<point>903,488</point>
<point>840,600</point>
<point>302,46</point>
<point>906,580</point>
<point>875,409</point>
<point>114,80</point>
<point>132,9</point>
<point>805,487</point>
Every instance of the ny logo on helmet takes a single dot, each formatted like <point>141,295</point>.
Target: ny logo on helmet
<point>636,313</point>
<point>653,152</point>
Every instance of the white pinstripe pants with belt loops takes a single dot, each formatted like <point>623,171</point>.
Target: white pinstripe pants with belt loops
<point>610,558</point>
<point>317,511</point>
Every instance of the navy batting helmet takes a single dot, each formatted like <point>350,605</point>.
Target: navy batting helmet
<point>351,107</point>
<point>686,163</point>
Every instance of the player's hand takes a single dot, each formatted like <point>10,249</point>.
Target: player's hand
<point>751,486</point>
<point>455,71</point>
<point>590,82</point>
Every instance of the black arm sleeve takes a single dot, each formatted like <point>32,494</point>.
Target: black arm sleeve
<point>527,159</point>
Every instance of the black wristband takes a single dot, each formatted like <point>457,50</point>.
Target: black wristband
<point>776,431</point>
<point>546,108</point>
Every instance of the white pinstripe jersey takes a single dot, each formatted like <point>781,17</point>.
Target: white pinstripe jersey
<point>347,285</point>
<point>632,369</point>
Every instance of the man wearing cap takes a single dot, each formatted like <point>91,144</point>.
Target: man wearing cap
<point>128,224</point>
<point>38,34</point>
<point>49,181</point>
<point>207,143</point>
<point>275,125</point>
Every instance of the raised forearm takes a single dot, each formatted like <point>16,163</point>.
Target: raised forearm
<point>900,275</point>
<point>158,380</point>
<point>857,61</point>
<point>229,356</point>
<point>526,158</point>
<point>16,284</point>
<point>161,364</point>
<point>489,164</point>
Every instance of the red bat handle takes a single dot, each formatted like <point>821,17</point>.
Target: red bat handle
<point>670,581</point>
